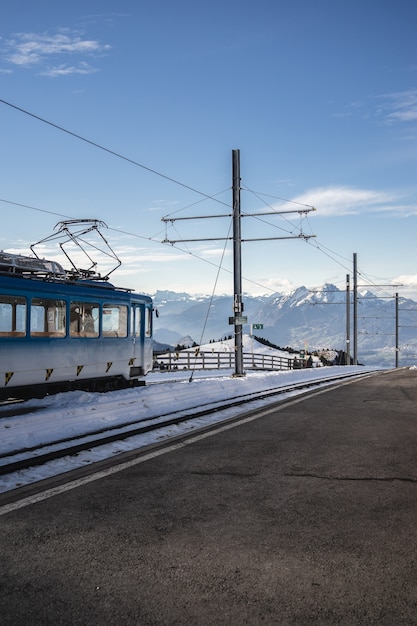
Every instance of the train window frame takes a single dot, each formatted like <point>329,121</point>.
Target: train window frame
<point>17,325</point>
<point>49,315</point>
<point>148,322</point>
<point>118,326</point>
<point>84,319</point>
<point>136,321</point>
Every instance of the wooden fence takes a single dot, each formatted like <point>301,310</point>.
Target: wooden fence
<point>219,360</point>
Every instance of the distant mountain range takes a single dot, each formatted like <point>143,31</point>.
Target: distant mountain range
<point>304,319</point>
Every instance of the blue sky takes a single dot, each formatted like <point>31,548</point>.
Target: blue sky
<point>319,97</point>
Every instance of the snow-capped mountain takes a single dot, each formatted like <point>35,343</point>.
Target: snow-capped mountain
<point>304,319</point>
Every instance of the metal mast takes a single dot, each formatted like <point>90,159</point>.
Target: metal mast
<point>347,361</point>
<point>238,320</point>
<point>355,309</point>
<point>396,331</point>
<point>237,265</point>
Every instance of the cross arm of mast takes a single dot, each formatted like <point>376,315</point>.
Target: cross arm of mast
<point>301,236</point>
<point>205,217</point>
<point>172,241</point>
<point>196,217</point>
<point>300,211</point>
<point>191,240</point>
<point>387,285</point>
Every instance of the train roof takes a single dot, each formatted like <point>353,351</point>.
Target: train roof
<point>36,268</point>
<point>46,271</point>
<point>19,264</point>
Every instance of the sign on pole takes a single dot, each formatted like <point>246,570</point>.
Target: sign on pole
<point>238,320</point>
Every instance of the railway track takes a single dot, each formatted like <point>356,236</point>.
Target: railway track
<point>191,420</point>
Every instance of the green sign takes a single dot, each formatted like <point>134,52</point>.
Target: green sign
<point>257,326</point>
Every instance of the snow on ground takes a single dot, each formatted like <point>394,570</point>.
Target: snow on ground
<point>252,345</point>
<point>78,413</point>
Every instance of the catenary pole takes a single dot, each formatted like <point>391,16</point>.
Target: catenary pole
<point>238,319</point>
<point>355,309</point>
<point>396,331</point>
<point>347,360</point>
<point>237,265</point>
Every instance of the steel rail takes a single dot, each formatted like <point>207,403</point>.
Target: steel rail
<point>121,432</point>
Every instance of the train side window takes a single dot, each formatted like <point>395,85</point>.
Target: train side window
<point>148,323</point>
<point>84,318</point>
<point>13,311</point>
<point>47,318</point>
<point>114,321</point>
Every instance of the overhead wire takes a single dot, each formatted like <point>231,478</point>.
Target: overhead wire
<point>108,150</point>
<point>269,206</point>
<point>136,163</point>
<point>131,234</point>
<point>316,244</point>
<point>319,246</point>
<point>33,208</point>
<point>259,193</point>
<point>188,206</point>
<point>210,301</point>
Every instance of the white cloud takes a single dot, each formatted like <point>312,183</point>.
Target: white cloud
<point>407,285</point>
<point>215,253</point>
<point>400,106</point>
<point>32,49</point>
<point>151,257</point>
<point>66,70</point>
<point>340,200</point>
<point>406,280</point>
<point>349,109</point>
<point>265,285</point>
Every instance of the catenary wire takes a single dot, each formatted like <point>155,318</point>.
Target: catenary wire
<point>316,244</point>
<point>108,150</point>
<point>157,173</point>
<point>211,301</point>
<point>130,234</point>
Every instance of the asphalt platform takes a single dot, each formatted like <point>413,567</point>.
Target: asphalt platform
<point>305,515</point>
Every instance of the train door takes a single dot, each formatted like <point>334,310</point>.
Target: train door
<point>141,334</point>
<point>148,340</point>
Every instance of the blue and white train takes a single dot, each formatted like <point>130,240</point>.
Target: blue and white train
<point>60,331</point>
